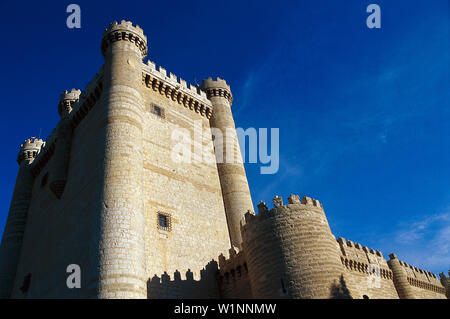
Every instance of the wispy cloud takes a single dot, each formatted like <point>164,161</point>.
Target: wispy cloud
<point>423,228</point>
<point>424,242</point>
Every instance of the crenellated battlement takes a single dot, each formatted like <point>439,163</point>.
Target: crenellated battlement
<point>80,108</point>
<point>217,87</point>
<point>30,149</point>
<point>125,25</point>
<point>235,259</point>
<point>349,248</point>
<point>73,95</point>
<point>419,278</point>
<point>124,31</point>
<point>176,89</point>
<point>87,99</point>
<point>294,203</point>
<point>233,275</point>
<point>218,83</point>
<point>356,257</point>
<point>417,273</point>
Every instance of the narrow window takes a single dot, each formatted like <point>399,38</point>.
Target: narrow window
<point>164,221</point>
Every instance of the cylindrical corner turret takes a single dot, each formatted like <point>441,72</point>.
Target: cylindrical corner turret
<point>217,88</point>
<point>11,244</point>
<point>400,278</point>
<point>233,180</point>
<point>131,37</point>
<point>67,101</point>
<point>122,254</point>
<point>291,252</point>
<point>29,149</point>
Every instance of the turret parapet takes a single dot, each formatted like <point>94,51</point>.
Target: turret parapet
<point>218,83</point>
<point>248,217</point>
<point>277,201</point>
<point>294,199</point>
<point>392,256</point>
<point>29,149</point>
<point>176,89</point>
<point>294,202</point>
<point>124,31</point>
<point>218,87</point>
<point>125,26</point>
<point>309,201</point>
<point>414,276</point>
<point>262,207</point>
<point>415,272</point>
<point>418,277</point>
<point>67,101</point>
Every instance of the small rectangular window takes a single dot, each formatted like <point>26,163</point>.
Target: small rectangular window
<point>157,110</point>
<point>164,221</point>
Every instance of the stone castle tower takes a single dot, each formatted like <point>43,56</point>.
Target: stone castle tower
<point>105,193</point>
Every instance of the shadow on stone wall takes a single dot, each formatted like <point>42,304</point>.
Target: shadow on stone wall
<point>165,288</point>
<point>340,290</point>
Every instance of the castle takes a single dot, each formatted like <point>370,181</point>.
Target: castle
<point>103,193</point>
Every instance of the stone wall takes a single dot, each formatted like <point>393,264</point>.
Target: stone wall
<point>291,252</point>
<point>424,284</point>
<point>189,193</point>
<point>233,278</point>
<point>367,273</point>
<point>15,227</point>
<point>120,156</point>
<point>113,192</point>
<point>65,231</point>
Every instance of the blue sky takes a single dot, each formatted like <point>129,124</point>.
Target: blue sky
<point>363,113</point>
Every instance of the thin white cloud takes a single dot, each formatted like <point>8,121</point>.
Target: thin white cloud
<point>425,243</point>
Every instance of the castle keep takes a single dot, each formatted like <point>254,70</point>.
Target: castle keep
<point>103,192</point>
